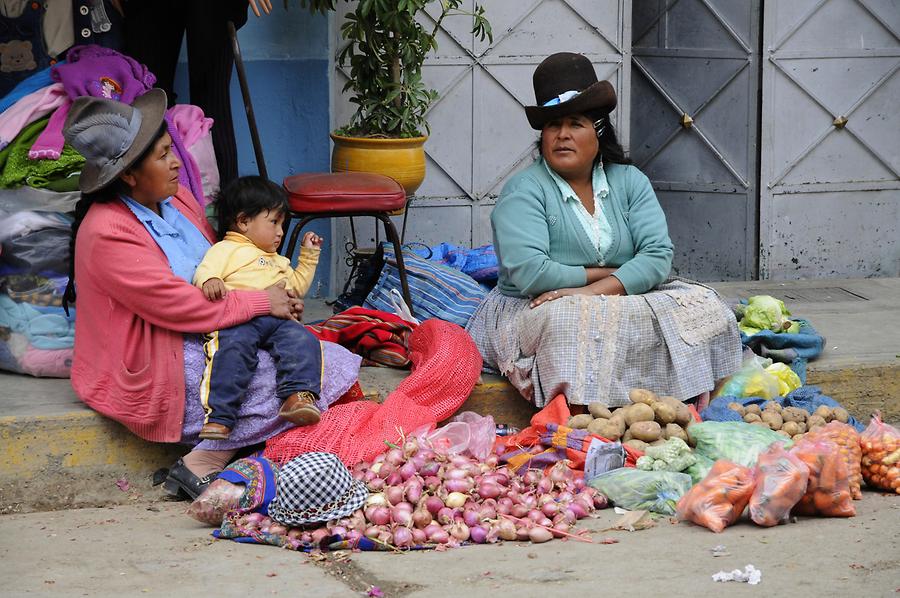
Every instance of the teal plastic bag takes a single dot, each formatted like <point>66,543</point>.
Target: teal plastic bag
<point>636,490</point>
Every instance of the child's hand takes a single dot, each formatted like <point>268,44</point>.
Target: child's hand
<point>214,289</point>
<point>311,240</point>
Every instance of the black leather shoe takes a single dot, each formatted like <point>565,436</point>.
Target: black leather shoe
<point>181,482</point>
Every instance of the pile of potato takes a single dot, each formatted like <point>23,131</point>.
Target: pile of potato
<point>649,420</point>
<point>791,422</point>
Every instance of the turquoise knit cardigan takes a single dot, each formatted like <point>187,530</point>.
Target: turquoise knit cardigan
<point>542,247</point>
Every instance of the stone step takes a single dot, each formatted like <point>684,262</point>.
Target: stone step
<point>56,453</point>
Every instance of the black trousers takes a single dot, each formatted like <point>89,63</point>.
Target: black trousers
<point>153,33</point>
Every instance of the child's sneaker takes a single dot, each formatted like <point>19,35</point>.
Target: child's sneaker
<point>213,431</point>
<point>300,409</point>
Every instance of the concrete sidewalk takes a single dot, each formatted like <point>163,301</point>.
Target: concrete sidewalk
<point>57,453</point>
<point>154,549</point>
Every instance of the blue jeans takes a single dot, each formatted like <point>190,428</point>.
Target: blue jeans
<point>231,361</point>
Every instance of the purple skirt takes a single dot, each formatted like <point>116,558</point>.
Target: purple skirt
<point>258,416</point>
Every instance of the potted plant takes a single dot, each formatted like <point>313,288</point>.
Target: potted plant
<point>386,46</point>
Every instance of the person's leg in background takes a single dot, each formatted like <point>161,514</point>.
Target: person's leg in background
<point>210,63</point>
<point>153,33</point>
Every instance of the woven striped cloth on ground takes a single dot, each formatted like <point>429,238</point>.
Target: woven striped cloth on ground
<point>380,337</point>
<point>547,440</point>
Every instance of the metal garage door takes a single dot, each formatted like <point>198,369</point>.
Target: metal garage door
<point>830,205</point>
<point>693,127</point>
<point>479,134</point>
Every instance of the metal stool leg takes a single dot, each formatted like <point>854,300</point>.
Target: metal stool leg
<point>398,251</point>
<point>389,229</point>
<point>248,103</point>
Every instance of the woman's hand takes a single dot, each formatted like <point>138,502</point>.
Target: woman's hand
<point>608,285</point>
<point>556,294</point>
<point>283,303</point>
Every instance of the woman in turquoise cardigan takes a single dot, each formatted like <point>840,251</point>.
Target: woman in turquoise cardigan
<point>584,305</point>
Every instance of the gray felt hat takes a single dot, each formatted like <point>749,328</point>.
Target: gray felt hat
<point>112,135</point>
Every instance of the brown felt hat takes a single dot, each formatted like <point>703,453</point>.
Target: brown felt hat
<point>112,135</point>
<point>566,83</point>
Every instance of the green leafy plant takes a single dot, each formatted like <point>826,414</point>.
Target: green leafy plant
<point>385,51</point>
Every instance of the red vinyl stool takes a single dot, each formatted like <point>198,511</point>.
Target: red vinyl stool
<point>347,194</point>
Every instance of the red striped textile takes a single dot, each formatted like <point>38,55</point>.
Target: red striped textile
<point>381,338</point>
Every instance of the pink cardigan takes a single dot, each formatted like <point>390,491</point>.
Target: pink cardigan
<point>131,313</point>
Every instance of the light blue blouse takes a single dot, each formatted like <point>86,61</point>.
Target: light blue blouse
<point>597,226</point>
<point>181,241</point>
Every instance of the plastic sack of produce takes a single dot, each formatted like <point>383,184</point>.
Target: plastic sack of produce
<point>847,440</point>
<point>672,455</point>
<point>752,380</point>
<point>720,498</point>
<point>739,442</point>
<point>700,469</point>
<point>246,485</point>
<point>880,445</point>
<point>468,433</point>
<point>828,489</point>
<point>636,490</point>
<point>220,497</point>
<point>780,483</point>
<point>788,380</point>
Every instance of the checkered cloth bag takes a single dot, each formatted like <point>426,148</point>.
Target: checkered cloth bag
<point>315,487</point>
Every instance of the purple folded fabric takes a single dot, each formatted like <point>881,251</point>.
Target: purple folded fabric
<point>91,71</point>
<point>258,416</point>
<point>188,174</point>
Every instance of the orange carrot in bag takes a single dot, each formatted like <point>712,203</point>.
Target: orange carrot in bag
<point>828,487</point>
<point>880,445</point>
<point>847,439</point>
<point>720,498</point>
<point>781,480</point>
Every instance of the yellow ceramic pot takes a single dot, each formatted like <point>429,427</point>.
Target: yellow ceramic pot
<point>401,159</point>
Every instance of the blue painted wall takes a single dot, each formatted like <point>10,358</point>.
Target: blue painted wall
<point>286,59</point>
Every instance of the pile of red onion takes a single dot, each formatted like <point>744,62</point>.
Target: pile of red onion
<point>421,497</point>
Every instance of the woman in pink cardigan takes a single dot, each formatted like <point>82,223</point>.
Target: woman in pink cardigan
<point>136,241</point>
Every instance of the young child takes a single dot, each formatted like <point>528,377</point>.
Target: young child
<point>250,213</point>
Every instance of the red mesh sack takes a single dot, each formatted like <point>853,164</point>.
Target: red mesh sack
<point>446,366</point>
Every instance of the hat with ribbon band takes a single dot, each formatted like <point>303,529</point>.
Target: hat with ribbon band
<point>564,84</point>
